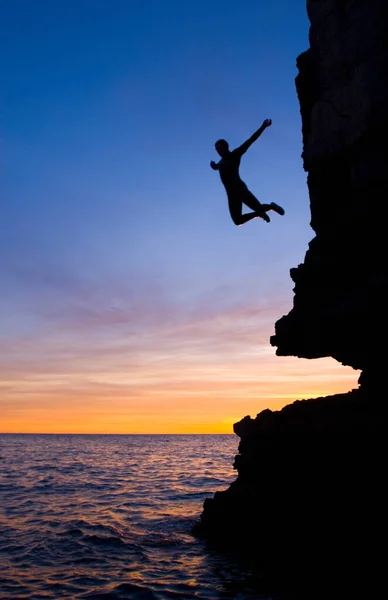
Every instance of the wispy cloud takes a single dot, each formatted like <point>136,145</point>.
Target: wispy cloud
<point>100,350</point>
<point>102,354</point>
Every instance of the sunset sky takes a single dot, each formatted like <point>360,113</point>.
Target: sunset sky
<point>130,302</point>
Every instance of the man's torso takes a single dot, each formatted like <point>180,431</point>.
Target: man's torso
<point>229,172</point>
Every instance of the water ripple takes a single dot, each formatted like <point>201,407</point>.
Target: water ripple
<point>109,517</point>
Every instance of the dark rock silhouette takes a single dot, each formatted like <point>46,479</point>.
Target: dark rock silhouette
<point>340,289</point>
<point>308,505</point>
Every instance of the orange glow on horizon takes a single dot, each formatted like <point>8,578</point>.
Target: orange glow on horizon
<point>206,405</point>
<point>199,374</point>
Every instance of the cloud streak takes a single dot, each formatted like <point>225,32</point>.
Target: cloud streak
<point>150,362</point>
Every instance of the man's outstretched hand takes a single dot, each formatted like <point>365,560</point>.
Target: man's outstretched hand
<point>213,165</point>
<point>267,123</point>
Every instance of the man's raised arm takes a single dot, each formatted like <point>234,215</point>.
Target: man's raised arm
<point>244,147</point>
<point>214,165</point>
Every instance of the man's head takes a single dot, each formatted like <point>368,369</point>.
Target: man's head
<point>222,147</point>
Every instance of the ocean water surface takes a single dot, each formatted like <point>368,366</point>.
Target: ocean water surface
<point>90,517</point>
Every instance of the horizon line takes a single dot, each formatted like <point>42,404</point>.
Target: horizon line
<point>97,433</point>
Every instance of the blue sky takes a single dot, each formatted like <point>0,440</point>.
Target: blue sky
<point>112,223</point>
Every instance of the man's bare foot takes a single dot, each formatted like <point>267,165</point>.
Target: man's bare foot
<point>277,208</point>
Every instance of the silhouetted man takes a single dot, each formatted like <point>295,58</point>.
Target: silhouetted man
<point>237,191</point>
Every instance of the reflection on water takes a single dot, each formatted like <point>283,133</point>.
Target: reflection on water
<point>90,517</point>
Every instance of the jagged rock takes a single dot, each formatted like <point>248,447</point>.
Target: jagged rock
<point>308,506</point>
<point>341,288</point>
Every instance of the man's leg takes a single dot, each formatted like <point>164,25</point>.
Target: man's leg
<point>235,209</point>
<point>245,218</point>
<point>252,202</point>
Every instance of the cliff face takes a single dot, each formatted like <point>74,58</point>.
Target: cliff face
<point>341,288</point>
<point>308,509</point>
<point>308,505</point>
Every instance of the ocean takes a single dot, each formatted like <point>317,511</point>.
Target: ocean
<point>90,517</point>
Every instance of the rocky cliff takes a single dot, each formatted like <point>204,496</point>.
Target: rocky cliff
<point>341,288</point>
<point>308,505</point>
